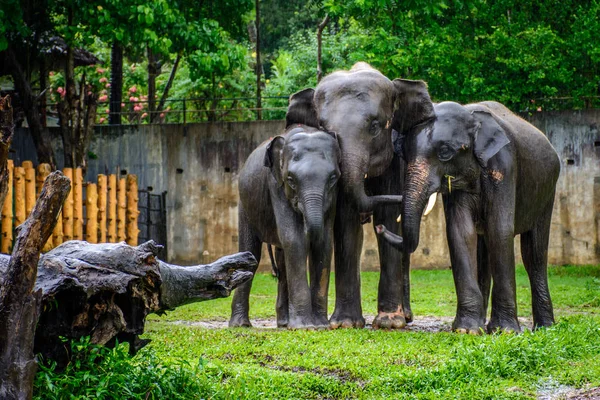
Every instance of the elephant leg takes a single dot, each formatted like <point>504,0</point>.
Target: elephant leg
<point>299,303</point>
<point>320,270</point>
<point>534,249</point>
<point>240,304</point>
<point>282,306</point>
<point>484,274</point>
<point>501,257</point>
<point>348,236</point>
<point>390,310</point>
<point>462,243</point>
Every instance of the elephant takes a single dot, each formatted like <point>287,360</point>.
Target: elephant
<point>288,191</point>
<point>497,175</point>
<point>359,105</point>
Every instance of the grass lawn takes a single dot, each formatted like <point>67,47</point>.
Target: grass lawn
<point>268,363</point>
<point>197,362</point>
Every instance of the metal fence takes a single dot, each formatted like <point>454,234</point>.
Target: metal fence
<point>135,111</point>
<point>152,220</point>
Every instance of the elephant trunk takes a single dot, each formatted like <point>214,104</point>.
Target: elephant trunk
<point>415,199</point>
<point>314,216</point>
<point>354,170</point>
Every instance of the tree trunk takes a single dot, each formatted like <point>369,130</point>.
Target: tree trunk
<point>19,302</point>
<point>165,95</point>
<point>40,135</point>
<point>154,69</point>
<point>258,64</point>
<point>320,28</point>
<point>116,84</point>
<point>106,290</point>
<point>77,113</point>
<point>6,134</point>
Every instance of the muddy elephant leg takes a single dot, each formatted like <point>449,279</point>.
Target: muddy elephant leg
<point>348,246</point>
<point>534,249</point>
<point>484,273</point>
<point>462,244</point>
<point>240,304</point>
<point>282,306</point>
<point>390,310</point>
<point>320,270</point>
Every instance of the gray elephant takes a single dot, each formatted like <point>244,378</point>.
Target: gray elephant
<point>497,175</point>
<point>359,105</point>
<point>288,191</point>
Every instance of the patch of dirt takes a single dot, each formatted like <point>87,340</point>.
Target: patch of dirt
<point>585,394</point>
<point>420,324</point>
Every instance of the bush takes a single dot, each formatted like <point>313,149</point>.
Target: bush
<point>102,373</point>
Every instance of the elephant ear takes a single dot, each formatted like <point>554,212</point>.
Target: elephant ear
<point>273,158</point>
<point>301,109</point>
<point>412,105</point>
<point>490,137</point>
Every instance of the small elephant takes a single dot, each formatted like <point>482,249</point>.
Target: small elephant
<point>288,192</point>
<point>497,174</point>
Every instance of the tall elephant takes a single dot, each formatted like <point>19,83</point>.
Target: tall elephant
<point>497,175</point>
<point>359,106</point>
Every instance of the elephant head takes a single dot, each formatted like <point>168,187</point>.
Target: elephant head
<point>305,162</point>
<point>358,105</point>
<point>446,147</point>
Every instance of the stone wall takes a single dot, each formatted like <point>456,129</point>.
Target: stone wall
<point>198,166</point>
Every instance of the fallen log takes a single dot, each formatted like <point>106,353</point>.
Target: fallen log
<point>106,290</point>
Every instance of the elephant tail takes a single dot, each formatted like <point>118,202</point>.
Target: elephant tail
<point>274,269</point>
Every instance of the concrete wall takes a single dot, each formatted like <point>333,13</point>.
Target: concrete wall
<point>198,166</point>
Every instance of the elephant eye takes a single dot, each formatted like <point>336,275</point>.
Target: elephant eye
<point>445,153</point>
<point>291,182</point>
<point>375,127</point>
<point>333,180</point>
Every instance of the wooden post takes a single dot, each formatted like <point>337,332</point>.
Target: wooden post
<point>19,179</point>
<point>7,213</point>
<point>67,228</point>
<point>132,210</point>
<point>112,208</point>
<point>43,170</point>
<point>102,194</point>
<point>121,209</point>
<point>29,186</point>
<point>77,204</point>
<point>91,212</point>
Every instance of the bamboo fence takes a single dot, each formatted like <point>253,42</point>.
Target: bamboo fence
<point>104,211</point>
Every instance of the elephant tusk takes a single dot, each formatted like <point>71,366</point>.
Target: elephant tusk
<point>399,218</point>
<point>430,203</point>
<point>366,176</point>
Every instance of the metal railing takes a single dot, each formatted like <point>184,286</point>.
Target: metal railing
<point>189,110</point>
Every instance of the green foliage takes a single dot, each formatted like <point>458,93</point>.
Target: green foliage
<point>102,373</point>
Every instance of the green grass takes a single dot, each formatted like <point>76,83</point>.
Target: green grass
<point>269,363</point>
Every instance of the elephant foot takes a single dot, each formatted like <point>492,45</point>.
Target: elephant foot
<point>390,320</point>
<point>542,323</point>
<point>321,322</point>
<point>345,320</point>
<point>468,325</point>
<point>239,322</point>
<point>282,323</point>
<point>503,325</point>
<point>408,315</point>
<point>301,323</point>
